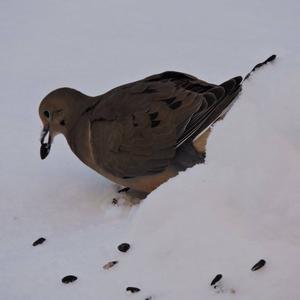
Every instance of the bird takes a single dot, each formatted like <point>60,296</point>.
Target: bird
<point>142,133</point>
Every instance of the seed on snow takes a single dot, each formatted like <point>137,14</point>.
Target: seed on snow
<point>69,278</point>
<point>39,241</point>
<point>216,279</point>
<point>258,265</point>
<point>132,289</point>
<point>110,264</point>
<point>124,247</point>
<point>115,201</point>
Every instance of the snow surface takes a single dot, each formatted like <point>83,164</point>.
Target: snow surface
<point>221,217</point>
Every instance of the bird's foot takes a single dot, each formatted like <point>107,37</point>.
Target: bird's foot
<point>129,197</point>
<point>124,190</point>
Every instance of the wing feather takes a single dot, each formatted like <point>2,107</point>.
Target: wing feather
<point>136,128</point>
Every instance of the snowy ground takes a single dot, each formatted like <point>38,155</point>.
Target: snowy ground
<point>222,217</point>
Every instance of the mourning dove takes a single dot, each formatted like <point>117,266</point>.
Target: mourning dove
<point>142,133</point>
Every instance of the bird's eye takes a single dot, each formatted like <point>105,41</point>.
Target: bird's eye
<point>47,114</point>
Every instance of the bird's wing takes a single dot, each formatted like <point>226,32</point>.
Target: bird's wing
<point>136,128</point>
<point>218,100</point>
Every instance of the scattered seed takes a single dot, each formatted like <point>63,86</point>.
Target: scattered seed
<point>124,247</point>
<point>69,278</point>
<point>110,264</point>
<point>149,298</point>
<point>115,201</point>
<point>232,291</point>
<point>39,241</point>
<point>216,279</point>
<point>132,289</point>
<point>258,265</point>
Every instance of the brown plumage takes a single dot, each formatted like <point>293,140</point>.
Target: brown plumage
<point>142,133</point>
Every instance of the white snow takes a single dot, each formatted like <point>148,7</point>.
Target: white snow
<point>221,217</point>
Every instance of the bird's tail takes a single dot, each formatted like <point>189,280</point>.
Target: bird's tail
<point>271,58</point>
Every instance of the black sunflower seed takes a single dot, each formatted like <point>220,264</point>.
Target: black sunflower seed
<point>258,265</point>
<point>132,289</point>
<point>124,247</point>
<point>39,241</point>
<point>216,279</point>
<point>115,201</point>
<point>68,279</point>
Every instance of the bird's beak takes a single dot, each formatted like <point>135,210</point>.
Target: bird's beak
<point>45,147</point>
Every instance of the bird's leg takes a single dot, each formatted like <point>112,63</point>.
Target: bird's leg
<point>115,201</point>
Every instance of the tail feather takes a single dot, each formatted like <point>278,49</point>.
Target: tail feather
<point>271,58</point>
<point>219,99</point>
<point>202,120</point>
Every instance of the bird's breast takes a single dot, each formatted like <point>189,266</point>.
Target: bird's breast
<point>79,140</point>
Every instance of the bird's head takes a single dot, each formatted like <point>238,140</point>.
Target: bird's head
<point>59,111</point>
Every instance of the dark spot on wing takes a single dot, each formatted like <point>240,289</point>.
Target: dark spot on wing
<point>169,100</point>
<point>62,123</point>
<point>154,123</point>
<point>133,121</point>
<point>153,116</point>
<point>175,105</point>
<point>198,88</point>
